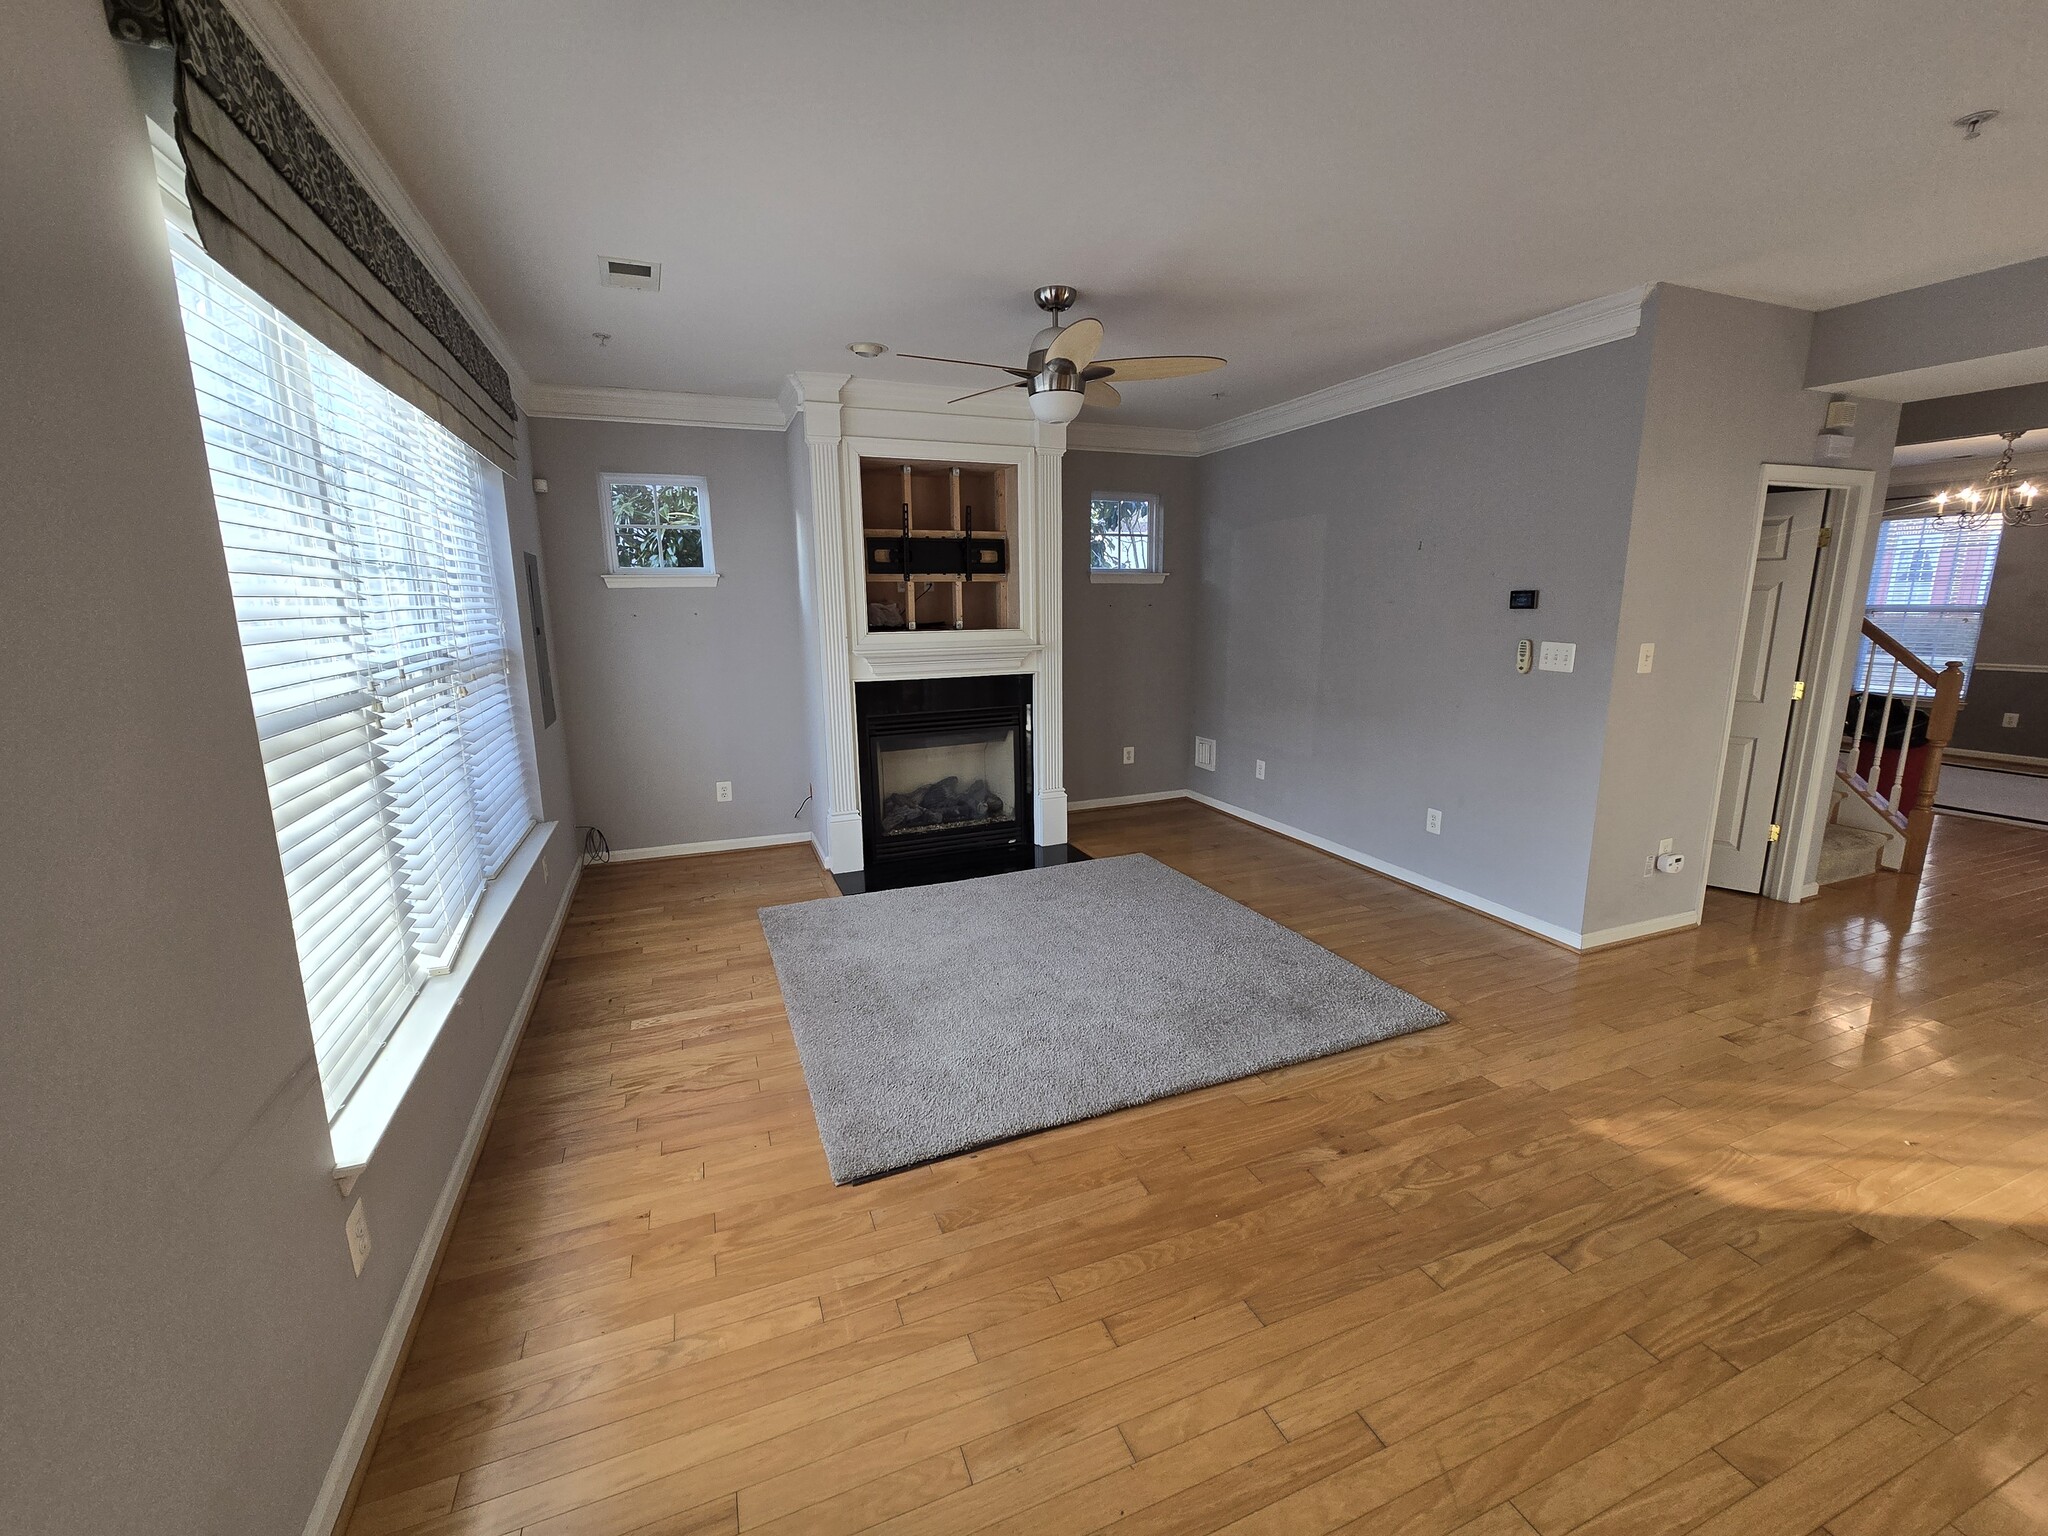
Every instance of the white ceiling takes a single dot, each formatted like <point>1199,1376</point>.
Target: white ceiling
<point>1312,188</point>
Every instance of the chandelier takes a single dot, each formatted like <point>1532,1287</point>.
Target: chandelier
<point>2001,497</point>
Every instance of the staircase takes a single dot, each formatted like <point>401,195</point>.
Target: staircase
<point>1891,757</point>
<point>1846,852</point>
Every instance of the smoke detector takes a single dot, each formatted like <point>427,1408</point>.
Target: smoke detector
<point>619,273</point>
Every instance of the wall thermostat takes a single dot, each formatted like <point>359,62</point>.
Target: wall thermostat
<point>1522,597</point>
<point>1525,655</point>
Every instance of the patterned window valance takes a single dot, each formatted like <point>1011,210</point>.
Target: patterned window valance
<point>278,207</point>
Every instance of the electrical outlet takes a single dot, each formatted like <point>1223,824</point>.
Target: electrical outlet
<point>1646,656</point>
<point>358,1229</point>
<point>1433,821</point>
<point>2009,719</point>
<point>725,789</point>
<point>1664,845</point>
<point>1205,753</point>
<point>1556,656</point>
<point>1259,768</point>
<point>1130,755</point>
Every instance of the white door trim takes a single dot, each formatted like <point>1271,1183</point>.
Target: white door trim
<point>1834,622</point>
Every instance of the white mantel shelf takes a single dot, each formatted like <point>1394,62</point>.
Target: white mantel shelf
<point>847,419</point>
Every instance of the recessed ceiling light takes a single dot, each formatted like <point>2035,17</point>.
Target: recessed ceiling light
<point>867,349</point>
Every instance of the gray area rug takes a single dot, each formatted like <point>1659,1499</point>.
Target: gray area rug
<point>945,1017</point>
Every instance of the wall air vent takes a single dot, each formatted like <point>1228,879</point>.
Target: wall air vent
<point>631,274</point>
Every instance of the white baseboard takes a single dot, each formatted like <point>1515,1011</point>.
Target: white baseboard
<point>332,1501</point>
<point>1109,800</point>
<point>719,845</point>
<point>1621,934</point>
<point>1477,903</point>
<point>1557,934</point>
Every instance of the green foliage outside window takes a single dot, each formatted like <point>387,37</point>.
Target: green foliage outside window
<point>1120,533</point>
<point>658,527</point>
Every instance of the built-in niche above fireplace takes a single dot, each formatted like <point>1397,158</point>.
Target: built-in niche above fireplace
<point>945,775</point>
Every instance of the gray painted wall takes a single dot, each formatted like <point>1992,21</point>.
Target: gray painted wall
<point>185,1339</point>
<point>1725,397</point>
<point>1353,627</point>
<point>2015,635</point>
<point>672,689</point>
<point>1130,648</point>
<point>1987,314</point>
<point>2018,409</point>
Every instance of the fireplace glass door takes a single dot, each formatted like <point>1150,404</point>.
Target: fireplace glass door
<point>946,780</point>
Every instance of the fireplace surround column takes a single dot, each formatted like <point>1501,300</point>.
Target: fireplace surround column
<point>1048,732</point>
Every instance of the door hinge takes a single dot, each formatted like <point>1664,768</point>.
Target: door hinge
<point>1798,692</point>
<point>1827,537</point>
<point>1775,830</point>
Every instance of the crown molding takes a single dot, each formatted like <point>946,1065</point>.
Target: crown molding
<point>655,406</point>
<point>932,399</point>
<point>1591,324</point>
<point>1116,437</point>
<point>287,51</point>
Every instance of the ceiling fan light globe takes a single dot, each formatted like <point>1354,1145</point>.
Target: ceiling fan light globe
<point>1056,406</point>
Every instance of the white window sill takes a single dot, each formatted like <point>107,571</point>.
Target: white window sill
<point>661,578</point>
<point>1128,578</point>
<point>369,1111</point>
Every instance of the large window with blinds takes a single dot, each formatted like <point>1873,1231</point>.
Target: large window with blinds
<point>360,551</point>
<point>1928,588</point>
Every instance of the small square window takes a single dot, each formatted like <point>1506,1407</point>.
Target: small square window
<point>1124,537</point>
<point>657,529</point>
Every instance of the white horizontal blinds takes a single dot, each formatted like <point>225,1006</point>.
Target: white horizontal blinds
<point>358,545</point>
<point>1928,587</point>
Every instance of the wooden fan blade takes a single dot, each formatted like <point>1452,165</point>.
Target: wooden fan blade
<point>1131,370</point>
<point>989,391</point>
<point>1100,392</point>
<point>1077,344</point>
<point>926,357</point>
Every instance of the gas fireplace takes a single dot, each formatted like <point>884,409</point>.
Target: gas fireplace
<point>945,771</point>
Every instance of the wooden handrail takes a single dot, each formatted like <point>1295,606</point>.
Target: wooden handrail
<point>1902,656</point>
<point>1916,823</point>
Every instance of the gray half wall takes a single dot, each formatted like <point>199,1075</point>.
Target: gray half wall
<point>1130,647</point>
<point>1354,630</point>
<point>669,690</point>
<point>185,1340</point>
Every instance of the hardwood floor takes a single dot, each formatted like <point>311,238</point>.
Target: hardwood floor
<point>1743,1229</point>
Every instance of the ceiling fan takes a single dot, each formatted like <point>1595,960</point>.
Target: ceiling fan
<point>1061,374</point>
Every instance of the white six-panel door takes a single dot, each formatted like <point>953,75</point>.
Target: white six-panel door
<point>1773,629</point>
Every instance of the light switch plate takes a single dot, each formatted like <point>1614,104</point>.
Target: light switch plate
<point>1646,656</point>
<point>1205,753</point>
<point>358,1229</point>
<point>1557,656</point>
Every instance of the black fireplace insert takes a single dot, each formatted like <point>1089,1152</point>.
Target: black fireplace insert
<point>945,772</point>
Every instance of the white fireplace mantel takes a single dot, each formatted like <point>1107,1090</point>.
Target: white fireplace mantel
<point>845,419</point>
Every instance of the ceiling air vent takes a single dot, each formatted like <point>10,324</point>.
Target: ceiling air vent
<point>631,274</point>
